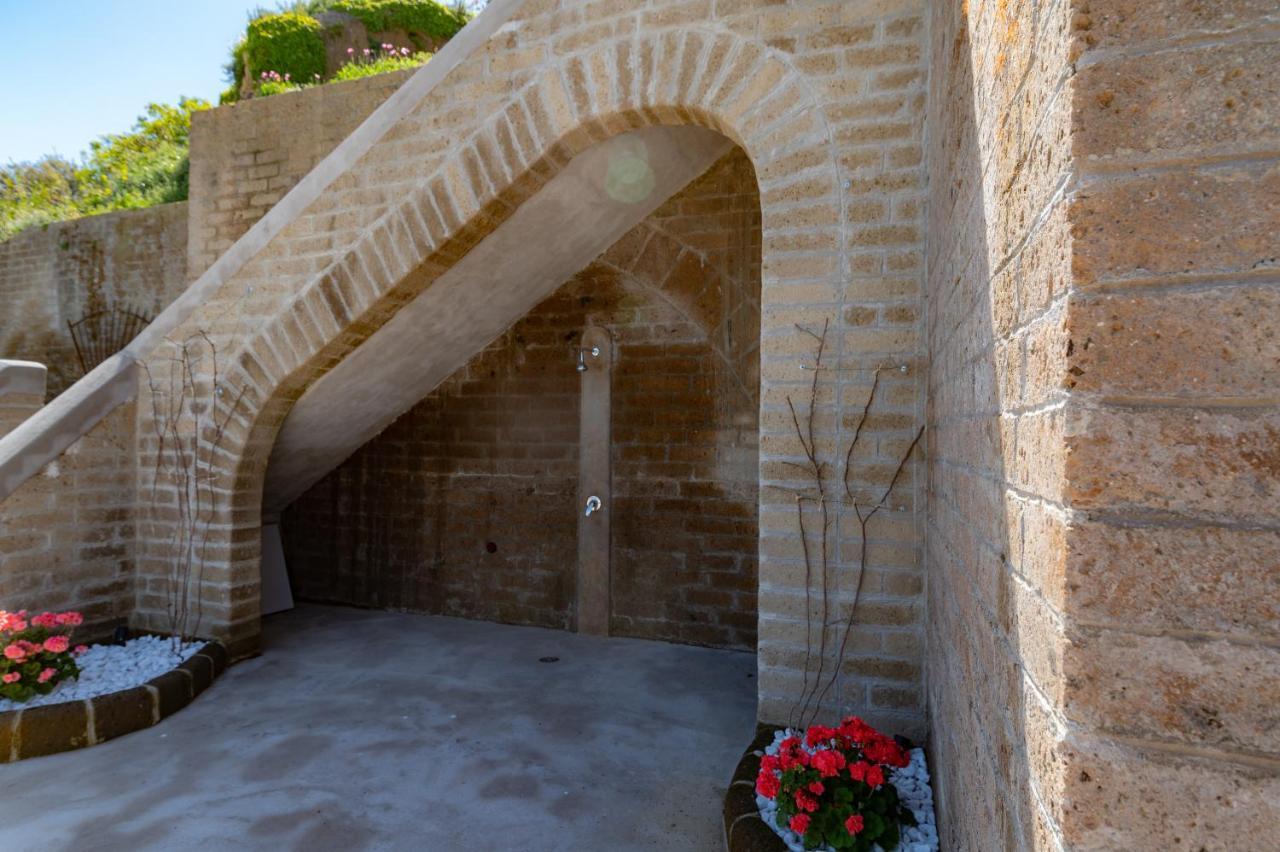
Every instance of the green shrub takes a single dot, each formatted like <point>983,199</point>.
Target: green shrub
<point>289,44</point>
<point>414,16</point>
<point>146,165</point>
<point>381,65</point>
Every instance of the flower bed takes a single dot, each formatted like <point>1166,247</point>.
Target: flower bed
<point>104,669</point>
<point>843,788</point>
<point>57,698</point>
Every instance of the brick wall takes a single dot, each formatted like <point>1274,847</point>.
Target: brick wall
<point>59,273</point>
<point>66,535</point>
<point>246,156</point>
<point>468,504</point>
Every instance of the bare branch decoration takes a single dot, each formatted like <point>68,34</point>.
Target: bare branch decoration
<point>808,705</point>
<point>189,421</point>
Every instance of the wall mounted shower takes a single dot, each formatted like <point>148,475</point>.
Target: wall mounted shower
<point>582,357</point>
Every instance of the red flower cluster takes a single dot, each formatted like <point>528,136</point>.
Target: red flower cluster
<point>831,786</point>
<point>33,658</point>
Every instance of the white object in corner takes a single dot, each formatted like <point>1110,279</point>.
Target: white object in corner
<point>277,596</point>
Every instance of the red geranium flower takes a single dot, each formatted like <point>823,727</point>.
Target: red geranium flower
<point>882,749</point>
<point>875,776</point>
<point>828,763</point>
<point>767,784</point>
<point>805,801</point>
<point>800,823</point>
<point>853,824</point>
<point>819,734</point>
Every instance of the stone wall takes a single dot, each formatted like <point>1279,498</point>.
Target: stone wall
<point>56,274</point>
<point>1172,441</point>
<point>246,156</point>
<point>999,266</point>
<point>1102,518</point>
<point>468,504</point>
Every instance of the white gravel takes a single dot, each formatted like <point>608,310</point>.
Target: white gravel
<point>914,790</point>
<point>112,668</point>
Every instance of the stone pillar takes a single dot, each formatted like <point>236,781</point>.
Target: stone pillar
<point>594,481</point>
<point>22,385</point>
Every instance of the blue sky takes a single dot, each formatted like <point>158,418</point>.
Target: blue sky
<point>72,70</point>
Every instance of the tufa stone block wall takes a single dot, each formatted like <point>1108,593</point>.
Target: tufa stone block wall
<point>999,269</point>
<point>1103,494</point>
<point>1171,449</point>
<point>56,274</point>
<point>468,505</point>
<point>246,156</point>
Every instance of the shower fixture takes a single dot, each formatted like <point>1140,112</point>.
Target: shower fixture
<point>582,357</point>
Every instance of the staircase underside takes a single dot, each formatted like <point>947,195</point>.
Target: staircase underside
<point>574,218</point>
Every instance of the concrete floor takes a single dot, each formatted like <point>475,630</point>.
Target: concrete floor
<point>369,730</point>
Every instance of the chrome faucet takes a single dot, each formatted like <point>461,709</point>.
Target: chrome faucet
<point>593,505</point>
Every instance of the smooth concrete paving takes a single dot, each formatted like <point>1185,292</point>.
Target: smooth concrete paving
<point>367,730</point>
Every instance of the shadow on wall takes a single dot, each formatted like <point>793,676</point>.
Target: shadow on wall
<point>996,518</point>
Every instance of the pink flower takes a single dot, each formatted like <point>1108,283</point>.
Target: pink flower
<point>80,649</point>
<point>57,644</point>
<point>46,675</point>
<point>350,50</point>
<point>46,620</point>
<point>11,677</point>
<point>71,619</point>
<point>404,51</point>
<point>14,652</point>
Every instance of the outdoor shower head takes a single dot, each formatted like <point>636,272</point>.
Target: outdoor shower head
<point>582,357</point>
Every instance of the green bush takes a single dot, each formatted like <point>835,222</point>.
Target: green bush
<point>414,16</point>
<point>146,165</point>
<point>289,44</point>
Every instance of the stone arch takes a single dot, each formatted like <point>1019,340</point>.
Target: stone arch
<point>693,76</point>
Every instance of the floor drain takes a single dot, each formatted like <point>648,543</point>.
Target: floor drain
<point>548,659</point>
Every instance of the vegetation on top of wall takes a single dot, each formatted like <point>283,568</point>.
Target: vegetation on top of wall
<point>380,62</point>
<point>285,50</point>
<point>144,166</point>
<point>412,16</point>
<point>288,43</point>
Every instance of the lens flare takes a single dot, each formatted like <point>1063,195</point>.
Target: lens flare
<point>630,178</point>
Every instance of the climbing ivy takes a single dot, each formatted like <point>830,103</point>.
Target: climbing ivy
<point>413,16</point>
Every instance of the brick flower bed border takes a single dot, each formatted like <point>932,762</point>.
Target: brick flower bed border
<point>53,728</point>
<point>744,831</point>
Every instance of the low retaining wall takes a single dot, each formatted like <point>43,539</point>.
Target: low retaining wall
<point>744,830</point>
